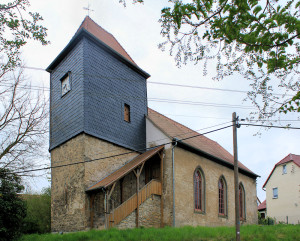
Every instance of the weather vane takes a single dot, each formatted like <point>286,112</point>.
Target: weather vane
<point>88,9</point>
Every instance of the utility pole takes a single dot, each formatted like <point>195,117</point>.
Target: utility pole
<point>236,177</point>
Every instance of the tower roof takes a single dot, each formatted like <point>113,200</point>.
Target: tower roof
<point>106,37</point>
<point>102,38</point>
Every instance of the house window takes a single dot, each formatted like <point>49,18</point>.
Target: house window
<point>222,197</point>
<point>275,192</point>
<point>242,201</point>
<point>199,190</point>
<point>126,112</point>
<point>284,169</point>
<point>65,83</point>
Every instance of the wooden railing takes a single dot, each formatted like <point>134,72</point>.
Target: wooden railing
<point>126,208</point>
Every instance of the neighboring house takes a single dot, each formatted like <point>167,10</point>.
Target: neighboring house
<point>262,209</point>
<point>106,146</point>
<point>283,190</point>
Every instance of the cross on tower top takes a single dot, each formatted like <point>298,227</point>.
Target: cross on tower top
<point>88,9</point>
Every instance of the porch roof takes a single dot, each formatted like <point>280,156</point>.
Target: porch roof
<point>124,170</point>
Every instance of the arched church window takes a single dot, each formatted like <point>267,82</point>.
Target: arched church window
<point>199,190</point>
<point>242,202</point>
<point>222,196</point>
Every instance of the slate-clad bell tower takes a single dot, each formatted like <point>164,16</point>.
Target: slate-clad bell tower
<point>98,104</point>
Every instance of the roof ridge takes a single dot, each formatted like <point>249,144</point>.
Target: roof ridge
<point>208,145</point>
<point>87,18</point>
<point>181,125</point>
<point>174,122</point>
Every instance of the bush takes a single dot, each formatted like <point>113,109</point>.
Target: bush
<point>265,221</point>
<point>13,208</point>
<point>38,218</point>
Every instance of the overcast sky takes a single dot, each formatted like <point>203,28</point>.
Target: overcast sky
<point>137,29</point>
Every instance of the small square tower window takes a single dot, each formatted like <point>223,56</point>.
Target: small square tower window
<point>284,169</point>
<point>275,192</point>
<point>127,112</point>
<point>65,84</point>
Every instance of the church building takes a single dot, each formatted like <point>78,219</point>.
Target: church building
<point>116,162</point>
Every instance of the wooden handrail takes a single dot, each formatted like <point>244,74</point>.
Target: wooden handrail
<point>127,207</point>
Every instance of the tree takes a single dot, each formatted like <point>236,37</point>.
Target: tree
<point>13,208</point>
<point>23,112</point>
<point>258,39</point>
<point>23,124</point>
<point>16,27</point>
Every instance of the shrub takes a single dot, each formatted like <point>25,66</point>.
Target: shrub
<point>13,209</point>
<point>38,218</point>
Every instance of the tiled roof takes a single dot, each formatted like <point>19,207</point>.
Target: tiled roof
<point>124,170</point>
<point>262,206</point>
<point>174,129</point>
<point>107,38</point>
<point>290,157</point>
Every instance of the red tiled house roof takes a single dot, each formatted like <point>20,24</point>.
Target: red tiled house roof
<point>262,206</point>
<point>174,129</point>
<point>289,158</point>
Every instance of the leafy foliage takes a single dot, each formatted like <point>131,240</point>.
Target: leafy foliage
<point>38,218</point>
<point>258,39</point>
<point>16,28</point>
<point>12,207</point>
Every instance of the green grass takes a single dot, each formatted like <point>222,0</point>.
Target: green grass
<point>251,232</point>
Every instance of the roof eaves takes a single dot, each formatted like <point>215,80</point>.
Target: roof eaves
<point>216,159</point>
<point>89,189</point>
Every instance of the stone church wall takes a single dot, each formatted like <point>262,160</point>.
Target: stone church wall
<point>149,215</point>
<point>70,209</point>
<point>185,165</point>
<point>67,187</point>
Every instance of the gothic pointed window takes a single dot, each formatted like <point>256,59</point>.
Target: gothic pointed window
<point>199,190</point>
<point>222,197</point>
<point>242,202</point>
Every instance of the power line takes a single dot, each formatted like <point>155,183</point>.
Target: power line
<point>117,155</point>
<point>164,139</point>
<point>187,102</point>
<point>271,126</point>
<point>170,101</point>
<point>161,83</point>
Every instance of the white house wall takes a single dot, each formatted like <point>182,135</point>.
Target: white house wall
<point>287,206</point>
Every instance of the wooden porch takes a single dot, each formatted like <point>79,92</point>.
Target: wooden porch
<point>152,183</point>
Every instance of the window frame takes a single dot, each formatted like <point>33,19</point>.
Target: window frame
<point>202,202</point>
<point>127,117</point>
<point>275,196</point>
<point>284,169</point>
<point>242,201</point>
<point>223,197</point>
<point>66,75</point>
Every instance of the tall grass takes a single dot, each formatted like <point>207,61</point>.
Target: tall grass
<point>251,232</point>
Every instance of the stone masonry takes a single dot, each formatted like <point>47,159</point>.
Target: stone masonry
<point>149,212</point>
<point>69,201</point>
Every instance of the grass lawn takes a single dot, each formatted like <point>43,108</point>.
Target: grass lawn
<point>251,232</point>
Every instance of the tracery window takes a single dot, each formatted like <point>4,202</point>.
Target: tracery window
<point>222,197</point>
<point>199,190</point>
<point>242,201</point>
